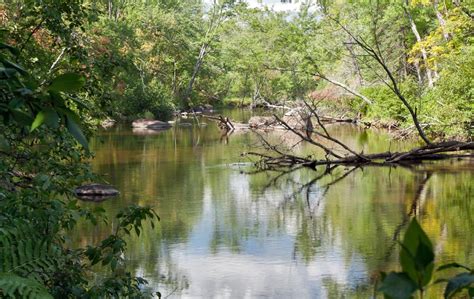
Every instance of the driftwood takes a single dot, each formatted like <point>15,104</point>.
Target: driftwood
<point>224,123</point>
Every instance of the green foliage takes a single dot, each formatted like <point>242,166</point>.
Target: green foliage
<point>416,255</point>
<point>417,261</point>
<point>30,105</point>
<point>14,286</point>
<point>25,252</point>
<point>386,105</point>
<point>41,164</point>
<point>449,106</point>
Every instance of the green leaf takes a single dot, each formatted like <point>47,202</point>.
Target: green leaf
<point>12,50</point>
<point>48,116</point>
<point>458,283</point>
<point>76,131</point>
<point>4,145</point>
<point>6,73</point>
<point>470,291</point>
<point>16,103</point>
<point>453,265</point>
<point>12,65</point>
<point>39,120</point>
<point>68,82</point>
<point>417,255</point>
<point>19,287</point>
<point>398,286</point>
<point>21,117</point>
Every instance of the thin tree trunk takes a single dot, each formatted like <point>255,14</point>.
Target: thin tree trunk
<point>418,72</point>
<point>442,22</point>
<point>424,54</point>
<point>217,17</point>
<point>197,67</point>
<point>174,78</point>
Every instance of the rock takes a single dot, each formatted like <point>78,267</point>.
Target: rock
<point>206,108</point>
<point>107,123</point>
<point>150,124</point>
<point>145,131</point>
<point>256,122</point>
<point>95,192</point>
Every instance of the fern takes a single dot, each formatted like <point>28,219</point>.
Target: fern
<point>27,260</point>
<point>14,286</point>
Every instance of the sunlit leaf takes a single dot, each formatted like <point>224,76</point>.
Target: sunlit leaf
<point>48,116</point>
<point>68,82</point>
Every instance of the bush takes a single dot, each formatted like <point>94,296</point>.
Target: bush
<point>387,106</point>
<point>449,106</point>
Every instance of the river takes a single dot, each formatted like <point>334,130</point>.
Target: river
<point>227,233</point>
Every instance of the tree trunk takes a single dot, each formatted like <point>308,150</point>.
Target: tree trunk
<point>197,67</point>
<point>442,22</point>
<point>418,73</point>
<point>424,54</point>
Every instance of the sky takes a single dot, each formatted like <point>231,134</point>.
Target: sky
<point>275,5</point>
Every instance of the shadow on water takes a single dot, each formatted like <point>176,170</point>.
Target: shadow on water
<point>225,232</point>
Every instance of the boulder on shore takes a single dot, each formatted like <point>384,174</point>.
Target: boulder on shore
<point>150,124</point>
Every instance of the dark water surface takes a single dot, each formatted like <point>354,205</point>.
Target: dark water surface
<point>228,234</point>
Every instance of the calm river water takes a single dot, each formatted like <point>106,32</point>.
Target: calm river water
<point>226,233</point>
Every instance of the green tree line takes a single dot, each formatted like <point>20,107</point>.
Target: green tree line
<point>150,58</point>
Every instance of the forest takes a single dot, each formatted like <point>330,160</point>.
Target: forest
<point>68,66</point>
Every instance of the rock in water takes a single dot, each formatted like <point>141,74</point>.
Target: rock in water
<point>107,123</point>
<point>256,122</point>
<point>150,124</point>
<point>95,192</point>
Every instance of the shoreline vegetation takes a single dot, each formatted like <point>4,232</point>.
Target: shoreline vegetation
<point>68,65</point>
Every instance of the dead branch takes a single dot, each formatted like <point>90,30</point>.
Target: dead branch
<point>223,122</point>
<point>434,151</point>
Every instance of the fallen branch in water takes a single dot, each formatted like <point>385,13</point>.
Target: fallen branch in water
<point>338,153</point>
<point>223,122</point>
<point>434,151</point>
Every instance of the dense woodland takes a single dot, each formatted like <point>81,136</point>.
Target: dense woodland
<point>70,64</point>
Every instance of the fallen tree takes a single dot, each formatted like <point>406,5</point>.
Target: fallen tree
<point>338,153</point>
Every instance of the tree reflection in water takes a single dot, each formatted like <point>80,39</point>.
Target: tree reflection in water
<point>227,233</point>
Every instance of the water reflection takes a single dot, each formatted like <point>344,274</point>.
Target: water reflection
<point>229,234</point>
